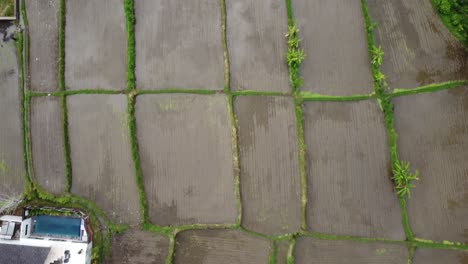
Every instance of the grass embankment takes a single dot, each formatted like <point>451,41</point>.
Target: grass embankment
<point>294,57</point>
<point>454,14</point>
<point>7,8</point>
<point>129,9</point>
<point>402,177</point>
<point>63,98</point>
<point>429,88</point>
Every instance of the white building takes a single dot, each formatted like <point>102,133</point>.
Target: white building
<point>44,239</point>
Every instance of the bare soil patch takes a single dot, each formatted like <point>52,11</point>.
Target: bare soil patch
<point>257,45</point>
<point>179,45</point>
<point>138,247</point>
<point>102,166</point>
<point>95,45</point>
<point>185,152</point>
<point>418,48</point>
<point>11,151</point>
<point>220,246</point>
<point>334,40</point>
<point>47,143</point>
<point>439,256</point>
<point>311,251</point>
<point>270,182</point>
<point>43,44</point>
<point>350,191</point>
<point>433,131</point>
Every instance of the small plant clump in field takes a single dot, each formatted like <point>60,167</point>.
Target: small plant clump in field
<point>294,56</point>
<point>403,178</point>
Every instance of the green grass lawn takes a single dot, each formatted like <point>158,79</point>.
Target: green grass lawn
<point>7,8</point>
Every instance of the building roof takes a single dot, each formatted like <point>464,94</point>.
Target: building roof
<point>17,254</point>
<point>11,218</point>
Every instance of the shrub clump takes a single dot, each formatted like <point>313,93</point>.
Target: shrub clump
<point>454,14</point>
<point>403,178</point>
<point>294,56</point>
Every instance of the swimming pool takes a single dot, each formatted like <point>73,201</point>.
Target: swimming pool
<point>56,226</point>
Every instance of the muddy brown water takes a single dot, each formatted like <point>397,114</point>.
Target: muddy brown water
<point>418,48</point>
<point>11,151</point>
<point>138,247</point>
<point>185,152</point>
<point>179,44</point>
<point>220,246</point>
<point>257,45</point>
<point>309,250</point>
<point>47,143</point>
<point>439,256</point>
<point>103,170</point>
<point>334,41</point>
<point>270,182</point>
<point>95,45</point>
<point>432,135</point>
<point>348,177</point>
<point>43,44</point>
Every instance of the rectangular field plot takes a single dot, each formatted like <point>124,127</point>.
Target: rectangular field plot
<point>43,43</point>
<point>100,153</point>
<point>257,45</point>
<point>11,151</point>
<point>432,135</point>
<point>135,246</point>
<point>312,251</point>
<point>179,44</point>
<point>95,45</point>
<point>349,187</point>
<point>185,152</point>
<point>47,143</point>
<point>220,246</point>
<point>439,256</point>
<point>334,40</point>
<point>418,47</point>
<point>270,182</point>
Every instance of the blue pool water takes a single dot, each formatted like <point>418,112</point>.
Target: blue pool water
<point>56,226</point>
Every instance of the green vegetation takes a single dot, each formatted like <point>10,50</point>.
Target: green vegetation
<point>53,212</point>
<point>130,25</point>
<point>295,55</point>
<point>302,159</point>
<point>177,90</point>
<point>429,88</point>
<point>454,14</point>
<point>290,256</point>
<point>308,96</point>
<point>258,93</point>
<point>273,253</point>
<point>66,144</point>
<point>227,80</point>
<point>235,158</point>
<point>136,158</point>
<point>7,8</point>
<point>403,178</point>
<point>170,255</point>
<point>63,99</point>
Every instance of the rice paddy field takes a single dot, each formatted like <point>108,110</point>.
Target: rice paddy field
<point>276,131</point>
